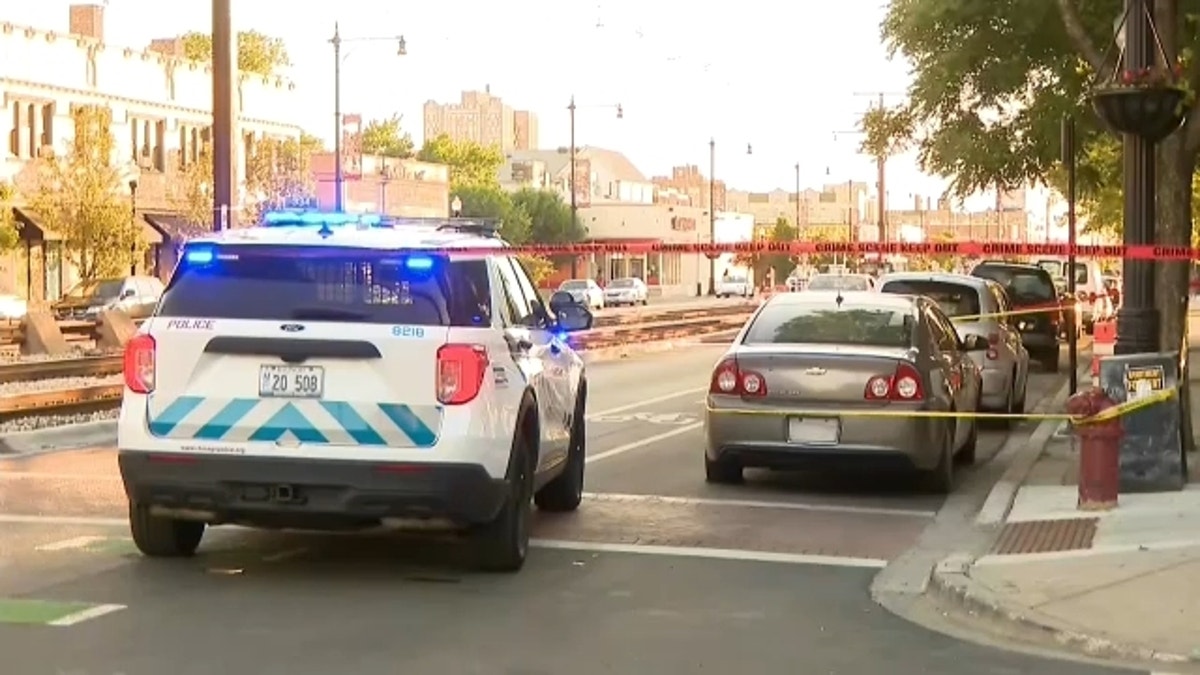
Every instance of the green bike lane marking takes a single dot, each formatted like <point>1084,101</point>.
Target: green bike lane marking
<point>29,611</point>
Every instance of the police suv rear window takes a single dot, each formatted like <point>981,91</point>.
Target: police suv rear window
<point>275,283</point>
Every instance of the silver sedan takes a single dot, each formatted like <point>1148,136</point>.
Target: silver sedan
<point>834,377</point>
<point>980,307</point>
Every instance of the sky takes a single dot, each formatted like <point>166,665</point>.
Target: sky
<point>782,77</point>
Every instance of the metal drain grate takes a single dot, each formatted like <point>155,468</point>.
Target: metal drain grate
<point>1045,536</point>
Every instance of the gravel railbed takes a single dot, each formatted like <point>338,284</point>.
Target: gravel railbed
<point>54,383</point>
<point>15,356</point>
<point>47,421</point>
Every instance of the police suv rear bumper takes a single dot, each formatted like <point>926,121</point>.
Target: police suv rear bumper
<point>316,494</point>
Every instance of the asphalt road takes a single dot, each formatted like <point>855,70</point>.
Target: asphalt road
<point>657,573</point>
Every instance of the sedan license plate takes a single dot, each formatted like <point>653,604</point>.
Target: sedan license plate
<point>291,382</point>
<point>813,430</point>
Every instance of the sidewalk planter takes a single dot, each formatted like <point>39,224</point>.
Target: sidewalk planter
<point>1149,112</point>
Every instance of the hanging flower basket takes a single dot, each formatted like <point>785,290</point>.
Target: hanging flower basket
<point>1151,112</point>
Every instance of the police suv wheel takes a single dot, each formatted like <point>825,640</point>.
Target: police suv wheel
<point>159,537</point>
<point>565,492</point>
<point>504,542</point>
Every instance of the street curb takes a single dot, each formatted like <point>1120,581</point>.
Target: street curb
<point>64,437</point>
<point>1002,495</point>
<point>951,579</point>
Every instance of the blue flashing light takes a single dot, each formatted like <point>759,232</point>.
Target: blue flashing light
<point>199,256</point>
<point>418,263</point>
<point>321,218</point>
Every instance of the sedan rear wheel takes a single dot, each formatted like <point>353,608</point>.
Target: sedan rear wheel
<point>723,471</point>
<point>941,478</point>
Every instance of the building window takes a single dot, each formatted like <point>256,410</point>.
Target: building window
<point>31,120</point>
<point>48,125</point>
<point>14,136</point>
<point>134,142</point>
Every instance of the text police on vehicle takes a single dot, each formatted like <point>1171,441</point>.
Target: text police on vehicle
<point>331,370</point>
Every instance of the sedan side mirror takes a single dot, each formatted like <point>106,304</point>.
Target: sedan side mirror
<point>974,343</point>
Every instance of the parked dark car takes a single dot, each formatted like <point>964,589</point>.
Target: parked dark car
<point>1031,288</point>
<point>136,296</point>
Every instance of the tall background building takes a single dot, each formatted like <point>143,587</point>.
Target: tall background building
<point>483,118</point>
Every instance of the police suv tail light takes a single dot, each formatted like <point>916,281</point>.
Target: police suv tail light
<point>139,362</point>
<point>460,372</point>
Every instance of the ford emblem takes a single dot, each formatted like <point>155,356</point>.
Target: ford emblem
<point>291,328</point>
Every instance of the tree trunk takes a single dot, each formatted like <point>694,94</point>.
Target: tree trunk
<point>1175,167</point>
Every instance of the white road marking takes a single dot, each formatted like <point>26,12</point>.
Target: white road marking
<point>71,544</point>
<point>649,440</point>
<point>711,553</point>
<point>22,519</point>
<point>645,402</point>
<point>758,504</point>
<point>42,475</point>
<point>86,615</point>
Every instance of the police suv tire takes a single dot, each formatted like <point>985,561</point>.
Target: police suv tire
<point>565,492</point>
<point>723,471</point>
<point>504,542</point>
<point>160,537</point>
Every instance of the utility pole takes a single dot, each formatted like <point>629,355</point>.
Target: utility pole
<point>712,214</point>
<point>571,108</point>
<point>880,166</point>
<point>224,118</point>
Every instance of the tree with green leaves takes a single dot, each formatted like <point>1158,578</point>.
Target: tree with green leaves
<point>278,174</point>
<point>471,164</point>
<point>8,225</point>
<point>387,137</point>
<point>491,202</point>
<point>551,220</point>
<point>256,52</point>
<point>992,81</point>
<point>191,194</point>
<point>79,196</point>
<point>763,263</point>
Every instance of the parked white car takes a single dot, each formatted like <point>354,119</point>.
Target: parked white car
<point>12,307</point>
<point>629,291</point>
<point>584,291</point>
<point>735,285</point>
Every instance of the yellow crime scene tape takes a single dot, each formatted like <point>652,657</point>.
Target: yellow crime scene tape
<point>1014,312</point>
<point>1119,410</point>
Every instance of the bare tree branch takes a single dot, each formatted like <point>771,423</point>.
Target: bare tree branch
<point>1078,35</point>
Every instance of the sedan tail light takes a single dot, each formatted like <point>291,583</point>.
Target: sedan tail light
<point>993,342</point>
<point>138,365</point>
<point>902,385</point>
<point>729,378</point>
<point>460,372</point>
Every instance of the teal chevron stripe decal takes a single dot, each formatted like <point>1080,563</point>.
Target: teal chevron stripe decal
<point>288,419</point>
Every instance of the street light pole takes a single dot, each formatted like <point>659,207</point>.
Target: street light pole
<point>797,198</point>
<point>712,213</point>
<point>574,204</point>
<point>338,176</point>
<point>224,118</point>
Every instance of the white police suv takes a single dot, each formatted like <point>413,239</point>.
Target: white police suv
<point>335,371</point>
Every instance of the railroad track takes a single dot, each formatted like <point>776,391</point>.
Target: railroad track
<point>87,366</point>
<point>99,397</point>
<point>72,401</point>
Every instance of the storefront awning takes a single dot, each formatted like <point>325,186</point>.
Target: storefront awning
<point>32,228</point>
<point>172,227</point>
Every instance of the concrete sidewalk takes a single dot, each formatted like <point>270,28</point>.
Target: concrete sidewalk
<point>1122,584</point>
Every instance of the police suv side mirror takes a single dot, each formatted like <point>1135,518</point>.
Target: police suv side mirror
<point>571,316</point>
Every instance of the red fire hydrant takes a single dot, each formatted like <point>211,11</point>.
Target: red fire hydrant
<point>1099,450</point>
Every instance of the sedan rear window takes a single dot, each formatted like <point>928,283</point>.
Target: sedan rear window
<point>324,284</point>
<point>956,300</point>
<point>838,282</point>
<point>800,324</point>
